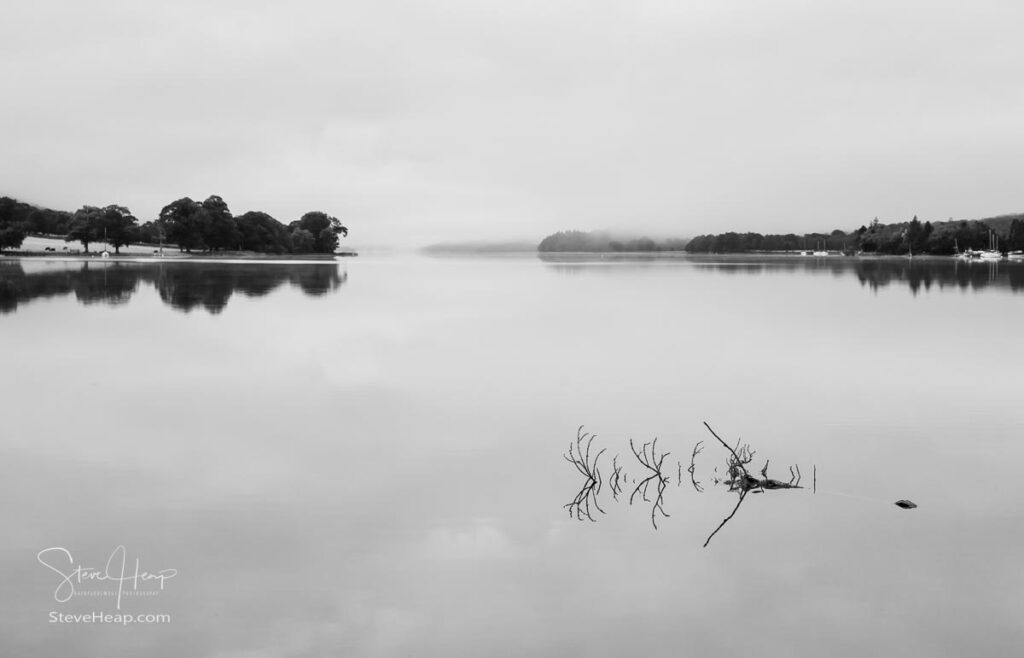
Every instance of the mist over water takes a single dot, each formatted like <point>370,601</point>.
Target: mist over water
<point>365,458</point>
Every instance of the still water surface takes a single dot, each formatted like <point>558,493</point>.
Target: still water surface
<point>365,458</point>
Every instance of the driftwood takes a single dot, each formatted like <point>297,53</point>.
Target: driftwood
<point>741,481</point>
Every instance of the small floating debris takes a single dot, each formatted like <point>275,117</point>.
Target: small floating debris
<point>905,504</point>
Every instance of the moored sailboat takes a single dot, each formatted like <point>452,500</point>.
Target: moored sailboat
<point>992,253</point>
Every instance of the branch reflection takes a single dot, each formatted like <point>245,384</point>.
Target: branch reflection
<point>738,478</point>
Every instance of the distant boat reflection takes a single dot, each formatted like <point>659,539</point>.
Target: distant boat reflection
<point>183,285</point>
<point>875,273</point>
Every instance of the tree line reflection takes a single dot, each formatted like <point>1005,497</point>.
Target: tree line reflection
<point>184,286</point>
<point>875,273</point>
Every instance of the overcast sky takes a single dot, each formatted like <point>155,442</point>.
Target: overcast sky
<point>447,120</point>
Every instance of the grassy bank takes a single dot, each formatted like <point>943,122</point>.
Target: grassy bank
<point>36,247</point>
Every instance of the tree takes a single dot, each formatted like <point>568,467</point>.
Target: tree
<point>260,232</point>
<point>184,221</point>
<point>324,228</point>
<point>150,232</point>
<point>915,235</point>
<point>12,223</point>
<point>219,228</point>
<point>1015,238</point>
<point>303,241</point>
<point>326,242</point>
<point>117,226</point>
<point>11,237</point>
<point>84,226</point>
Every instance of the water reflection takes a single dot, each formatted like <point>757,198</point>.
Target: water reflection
<point>649,485</point>
<point>873,273</point>
<point>184,286</point>
<point>394,486</point>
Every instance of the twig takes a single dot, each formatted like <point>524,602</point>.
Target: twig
<point>697,449</point>
<point>737,462</point>
<point>616,477</point>
<point>743,494</point>
<point>653,464</point>
<point>580,459</point>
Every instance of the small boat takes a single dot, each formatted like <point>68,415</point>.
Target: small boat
<point>1016,255</point>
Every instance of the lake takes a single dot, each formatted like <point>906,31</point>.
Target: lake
<point>366,458</point>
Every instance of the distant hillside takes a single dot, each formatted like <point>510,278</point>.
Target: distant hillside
<point>1001,223</point>
<point>481,247</point>
<point>603,241</point>
<point>937,238</point>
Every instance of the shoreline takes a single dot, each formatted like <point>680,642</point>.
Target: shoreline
<point>229,257</point>
<point>753,254</point>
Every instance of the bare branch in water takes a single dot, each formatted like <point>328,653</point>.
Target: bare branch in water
<point>740,480</point>
<point>616,478</point>
<point>653,464</point>
<point>735,456</point>
<point>697,449</point>
<point>579,457</point>
<point>650,483</point>
<point>737,465</point>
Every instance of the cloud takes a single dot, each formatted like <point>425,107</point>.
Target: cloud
<point>434,120</point>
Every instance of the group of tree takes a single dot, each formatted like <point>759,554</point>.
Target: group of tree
<point>209,226</point>
<point>114,225</point>
<point>604,242</point>
<point>18,219</point>
<point>743,242</point>
<point>190,225</point>
<point>913,237</point>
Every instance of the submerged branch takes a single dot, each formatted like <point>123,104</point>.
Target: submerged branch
<point>652,463</point>
<point>579,457</point>
<point>697,449</point>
